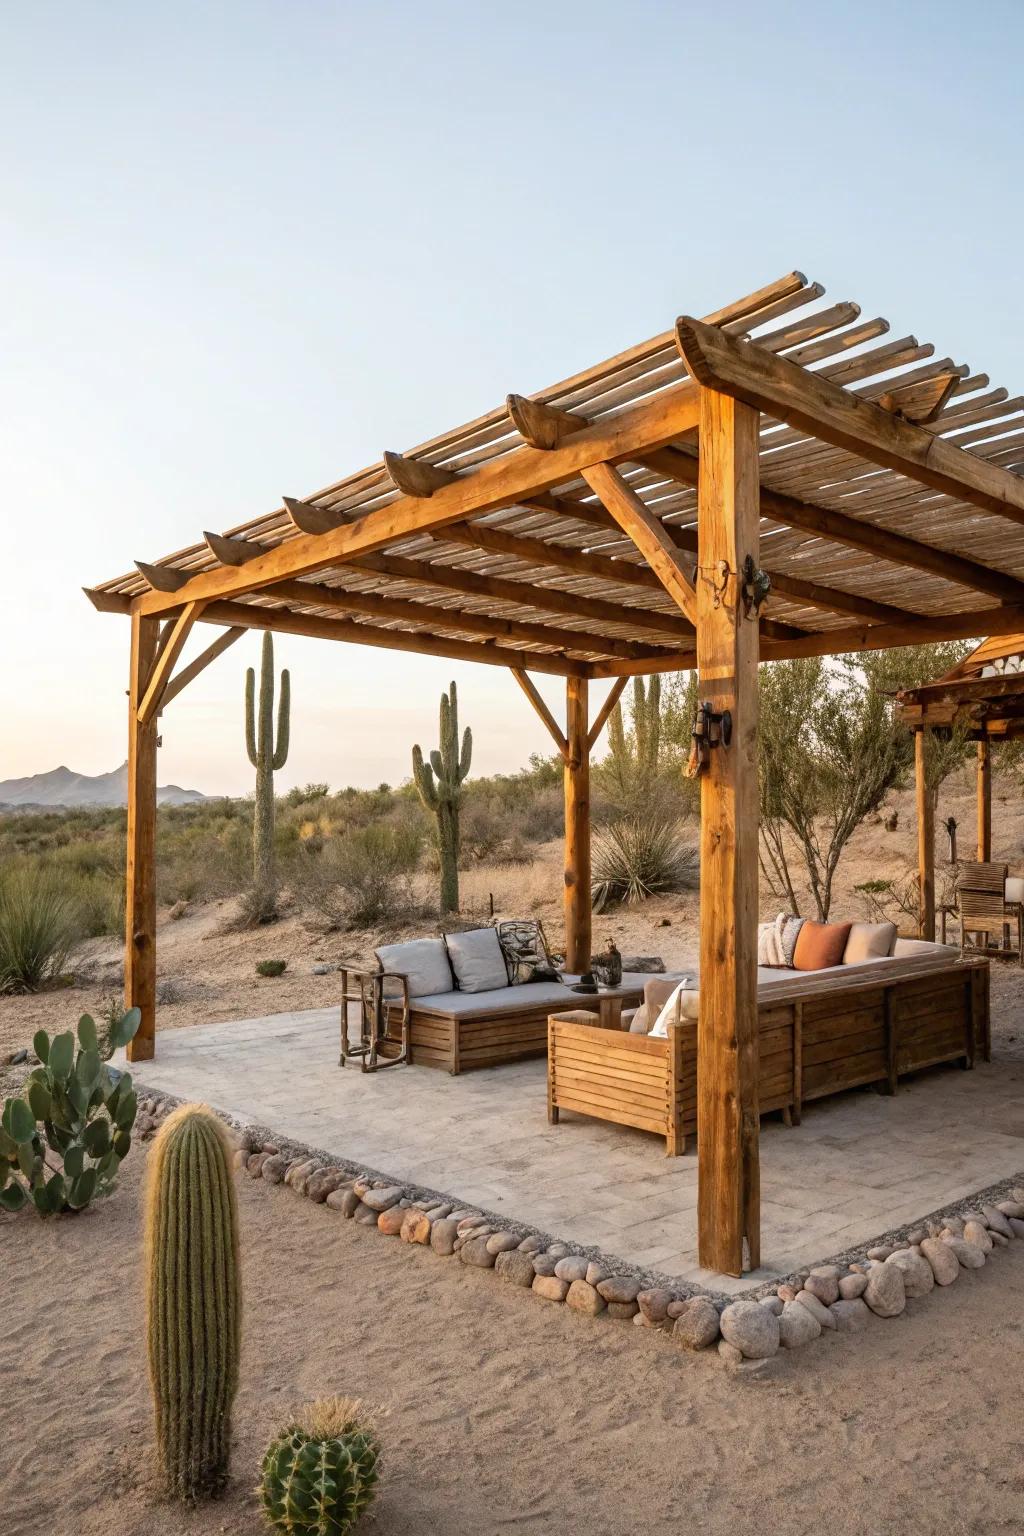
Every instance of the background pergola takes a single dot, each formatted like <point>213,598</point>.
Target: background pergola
<point>615,524</point>
<point>983,696</point>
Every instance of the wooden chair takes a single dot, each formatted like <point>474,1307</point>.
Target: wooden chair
<point>984,908</point>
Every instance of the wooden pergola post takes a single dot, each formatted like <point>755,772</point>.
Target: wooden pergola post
<point>728,1207</point>
<point>576,778</point>
<point>925,836</point>
<point>140,875</point>
<point>984,801</point>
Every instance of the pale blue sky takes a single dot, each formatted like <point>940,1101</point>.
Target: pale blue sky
<point>248,246</point>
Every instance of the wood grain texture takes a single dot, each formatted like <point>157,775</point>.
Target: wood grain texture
<point>577,901</point>
<point>140,871</point>
<point>647,532</point>
<point>925,808</point>
<point>536,699</point>
<point>984,801</point>
<point>728,1208</point>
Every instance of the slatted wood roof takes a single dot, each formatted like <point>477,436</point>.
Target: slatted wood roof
<point>486,543</point>
<point>983,694</point>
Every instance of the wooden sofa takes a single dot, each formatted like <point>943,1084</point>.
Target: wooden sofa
<point>463,1031</point>
<point>819,1034</point>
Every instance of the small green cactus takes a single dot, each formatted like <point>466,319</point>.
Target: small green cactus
<point>193,1297</point>
<point>265,757</point>
<point>319,1474</point>
<point>439,783</point>
<point>64,1138</point>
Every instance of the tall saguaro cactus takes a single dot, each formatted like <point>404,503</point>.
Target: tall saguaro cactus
<point>265,758</point>
<point>193,1299</point>
<point>440,788</point>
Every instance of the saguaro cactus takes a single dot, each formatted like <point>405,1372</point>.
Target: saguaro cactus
<point>193,1299</point>
<point>633,763</point>
<point>440,788</point>
<point>265,758</point>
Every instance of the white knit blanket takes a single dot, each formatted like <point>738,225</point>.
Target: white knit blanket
<point>776,941</point>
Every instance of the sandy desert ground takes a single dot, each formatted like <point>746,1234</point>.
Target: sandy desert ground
<point>500,1412</point>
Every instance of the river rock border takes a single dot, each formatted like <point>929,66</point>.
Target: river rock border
<point>842,1297</point>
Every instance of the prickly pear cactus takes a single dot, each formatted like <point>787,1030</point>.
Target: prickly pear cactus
<point>439,783</point>
<point>64,1137</point>
<point>319,1475</point>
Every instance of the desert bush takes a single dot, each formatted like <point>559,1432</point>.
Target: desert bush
<point>639,857</point>
<point>38,928</point>
<point>193,1329</point>
<point>362,877</point>
<point>64,1138</point>
<point>320,1473</point>
<point>271,967</point>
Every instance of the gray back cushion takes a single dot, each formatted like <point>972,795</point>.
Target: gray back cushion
<point>477,960</point>
<point>424,962</point>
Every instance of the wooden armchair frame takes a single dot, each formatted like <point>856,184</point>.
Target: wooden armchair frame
<point>378,1014</point>
<point>984,908</point>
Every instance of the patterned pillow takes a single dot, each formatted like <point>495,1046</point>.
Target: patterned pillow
<point>525,948</point>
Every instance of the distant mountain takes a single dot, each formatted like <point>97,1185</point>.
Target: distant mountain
<point>66,790</point>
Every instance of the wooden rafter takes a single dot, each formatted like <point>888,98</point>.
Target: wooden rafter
<point>499,483</point>
<point>160,674</point>
<point>535,697</point>
<point>604,713</point>
<point>647,532</point>
<point>790,393</point>
<point>188,674</point>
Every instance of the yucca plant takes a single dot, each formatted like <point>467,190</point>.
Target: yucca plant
<point>38,928</point>
<point>639,857</point>
<point>319,1473</point>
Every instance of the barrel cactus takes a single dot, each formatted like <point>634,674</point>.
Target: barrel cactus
<point>63,1138</point>
<point>439,783</point>
<point>320,1473</point>
<point>193,1299</point>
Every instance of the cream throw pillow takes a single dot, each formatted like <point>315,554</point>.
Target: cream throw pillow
<point>869,941</point>
<point>668,1015</point>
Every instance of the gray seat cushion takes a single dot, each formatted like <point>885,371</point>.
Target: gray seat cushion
<point>555,994</point>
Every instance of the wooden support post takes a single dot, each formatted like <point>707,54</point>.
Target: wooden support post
<point>984,801</point>
<point>728,1208</point>
<point>925,836</point>
<point>577,826</point>
<point>140,874</point>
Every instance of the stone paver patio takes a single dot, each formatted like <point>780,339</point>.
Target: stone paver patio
<point>858,1165</point>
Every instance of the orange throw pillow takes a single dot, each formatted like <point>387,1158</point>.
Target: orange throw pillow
<point>819,945</point>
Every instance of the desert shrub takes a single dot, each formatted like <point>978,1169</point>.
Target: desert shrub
<point>639,857</point>
<point>362,877</point>
<point>271,967</point>
<point>38,927</point>
<point>320,1473</point>
<point>63,1139</point>
<point>256,905</point>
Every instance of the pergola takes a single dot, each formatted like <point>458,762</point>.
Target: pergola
<point>625,521</point>
<point>983,696</point>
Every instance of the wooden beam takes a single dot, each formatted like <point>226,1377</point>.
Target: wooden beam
<point>922,403</point>
<point>984,801</point>
<point>108,602</point>
<point>140,872</point>
<point>287,622</point>
<point>925,807</point>
<point>501,482</point>
<point>728,1208</point>
<point>578,916</point>
<point>160,674</point>
<point>163,578</point>
<point>790,393</point>
<point>381,606</point>
<point>855,533</point>
<point>614,694</point>
<point>541,425</point>
<point>313,520</point>
<point>459,578</point>
<point>647,532</point>
<point>231,551</point>
<point>415,477</point>
<point>528,686</point>
<point>191,672</point>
